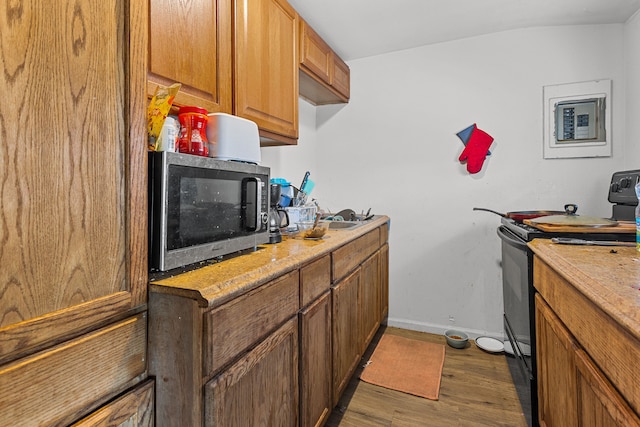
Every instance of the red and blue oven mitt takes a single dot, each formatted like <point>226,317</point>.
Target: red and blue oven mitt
<point>477,143</point>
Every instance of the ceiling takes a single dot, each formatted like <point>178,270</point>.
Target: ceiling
<point>360,28</point>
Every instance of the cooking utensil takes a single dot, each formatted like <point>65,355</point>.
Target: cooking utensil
<point>520,216</point>
<point>572,241</point>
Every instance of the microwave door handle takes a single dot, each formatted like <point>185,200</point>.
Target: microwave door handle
<point>258,203</point>
<point>252,219</point>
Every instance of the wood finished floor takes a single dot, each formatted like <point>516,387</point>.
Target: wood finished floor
<point>476,390</point>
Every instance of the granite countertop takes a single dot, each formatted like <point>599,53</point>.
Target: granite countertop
<point>215,283</point>
<point>607,275</point>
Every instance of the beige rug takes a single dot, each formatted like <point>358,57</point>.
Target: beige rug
<point>406,365</point>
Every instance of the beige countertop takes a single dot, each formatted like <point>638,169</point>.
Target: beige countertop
<point>607,275</point>
<point>216,283</point>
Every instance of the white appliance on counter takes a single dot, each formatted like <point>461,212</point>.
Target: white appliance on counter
<point>233,138</point>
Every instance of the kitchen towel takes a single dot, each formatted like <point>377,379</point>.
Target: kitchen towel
<point>406,365</point>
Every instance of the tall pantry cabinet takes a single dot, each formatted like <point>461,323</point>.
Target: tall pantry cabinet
<point>73,213</point>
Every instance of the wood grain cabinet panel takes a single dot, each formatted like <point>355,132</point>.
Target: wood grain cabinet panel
<point>341,77</point>
<point>346,258</point>
<point>573,389</point>
<point>556,370</point>
<point>266,68</point>
<point>599,403</point>
<point>324,76</point>
<point>134,409</point>
<point>72,252</point>
<point>315,53</point>
<point>237,325</point>
<point>384,282</point>
<point>190,43</point>
<point>73,281</point>
<point>315,279</point>
<point>370,300</point>
<point>57,386</point>
<point>315,362</point>
<point>345,331</point>
<point>260,389</point>
<point>612,348</point>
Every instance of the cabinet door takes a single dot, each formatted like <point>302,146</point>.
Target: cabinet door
<point>266,67</point>
<point>260,389</point>
<point>369,300</point>
<point>599,403</point>
<point>340,78</point>
<point>346,333</point>
<point>190,43</point>
<point>556,370</point>
<point>315,362</point>
<point>73,210</point>
<point>315,53</point>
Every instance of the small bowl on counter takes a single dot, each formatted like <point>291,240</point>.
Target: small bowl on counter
<point>306,230</point>
<point>456,339</point>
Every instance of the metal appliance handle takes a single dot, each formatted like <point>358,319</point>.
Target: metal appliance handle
<point>253,218</point>
<point>511,240</point>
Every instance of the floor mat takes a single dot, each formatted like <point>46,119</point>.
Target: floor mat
<point>406,365</point>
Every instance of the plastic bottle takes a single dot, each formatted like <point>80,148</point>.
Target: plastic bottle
<point>638,217</point>
<point>193,131</point>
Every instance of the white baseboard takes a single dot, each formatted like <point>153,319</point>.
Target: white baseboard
<point>440,329</point>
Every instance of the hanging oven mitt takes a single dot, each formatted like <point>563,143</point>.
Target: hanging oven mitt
<point>476,150</point>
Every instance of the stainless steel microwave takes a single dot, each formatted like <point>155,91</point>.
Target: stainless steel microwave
<point>202,208</point>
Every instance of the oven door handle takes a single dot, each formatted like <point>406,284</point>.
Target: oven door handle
<point>511,240</point>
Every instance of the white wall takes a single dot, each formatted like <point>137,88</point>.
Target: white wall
<point>394,148</point>
<point>632,78</point>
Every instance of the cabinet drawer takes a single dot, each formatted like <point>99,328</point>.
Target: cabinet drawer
<point>56,386</point>
<point>134,408</point>
<point>237,325</point>
<point>348,257</point>
<point>315,279</point>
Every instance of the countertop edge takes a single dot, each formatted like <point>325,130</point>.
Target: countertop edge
<point>268,266</point>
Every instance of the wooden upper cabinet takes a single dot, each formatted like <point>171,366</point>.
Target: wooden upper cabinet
<point>190,43</point>
<point>341,77</point>
<point>74,201</point>
<point>324,76</point>
<point>266,68</point>
<point>315,54</point>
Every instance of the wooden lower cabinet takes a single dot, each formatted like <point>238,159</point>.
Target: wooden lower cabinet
<point>261,388</point>
<point>572,390</point>
<point>315,362</point>
<point>345,331</point>
<point>280,354</point>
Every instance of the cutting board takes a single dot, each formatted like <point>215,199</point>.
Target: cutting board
<point>622,227</point>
